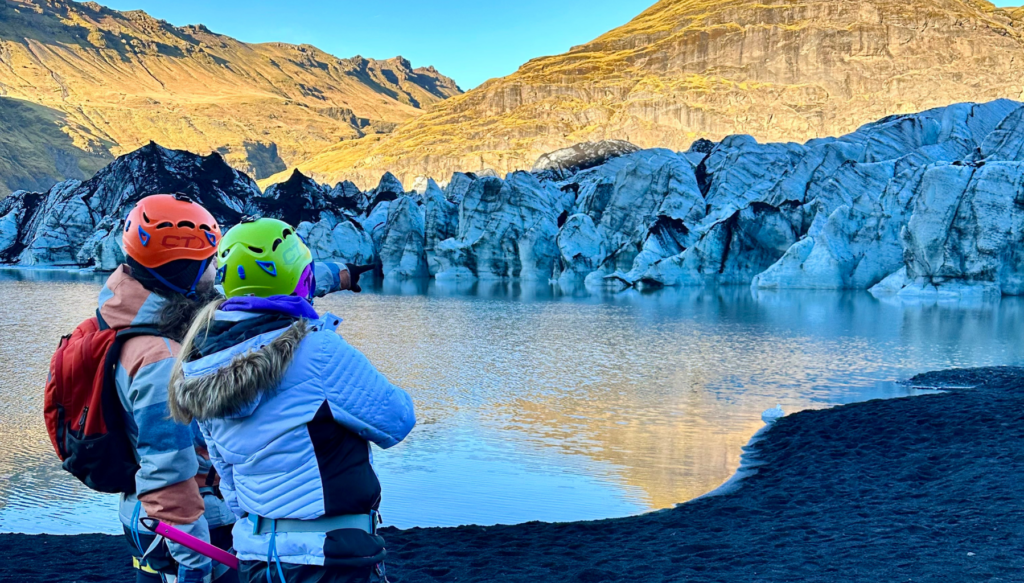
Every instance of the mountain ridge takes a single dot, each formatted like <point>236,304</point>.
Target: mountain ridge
<point>118,80</point>
<point>689,69</point>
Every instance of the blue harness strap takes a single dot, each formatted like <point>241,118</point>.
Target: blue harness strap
<point>272,557</point>
<point>136,538</point>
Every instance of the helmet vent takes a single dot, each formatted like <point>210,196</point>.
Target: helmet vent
<point>188,224</point>
<point>277,242</point>
<point>269,267</point>
<point>165,225</point>
<point>145,217</point>
<point>255,249</point>
<point>204,227</point>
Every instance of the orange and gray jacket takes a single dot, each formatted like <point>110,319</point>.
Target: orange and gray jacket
<point>173,463</point>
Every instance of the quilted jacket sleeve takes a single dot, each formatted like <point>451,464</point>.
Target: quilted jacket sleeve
<point>361,398</point>
<point>331,277</point>
<point>227,477</point>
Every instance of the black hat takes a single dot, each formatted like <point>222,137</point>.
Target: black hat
<point>177,276</point>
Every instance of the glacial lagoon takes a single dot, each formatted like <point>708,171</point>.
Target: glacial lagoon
<point>539,403</point>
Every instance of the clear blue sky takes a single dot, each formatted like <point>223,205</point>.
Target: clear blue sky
<point>468,40</point>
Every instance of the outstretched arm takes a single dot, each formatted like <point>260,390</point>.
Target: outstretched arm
<point>333,277</point>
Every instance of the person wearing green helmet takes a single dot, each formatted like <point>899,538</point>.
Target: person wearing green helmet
<point>266,257</point>
<point>288,410</point>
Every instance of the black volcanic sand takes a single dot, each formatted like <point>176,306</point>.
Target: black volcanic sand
<point>926,488</point>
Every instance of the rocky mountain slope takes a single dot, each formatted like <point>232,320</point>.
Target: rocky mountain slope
<point>690,69</point>
<point>920,205</point>
<point>96,83</point>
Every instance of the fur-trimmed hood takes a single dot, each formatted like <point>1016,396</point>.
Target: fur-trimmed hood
<point>230,383</point>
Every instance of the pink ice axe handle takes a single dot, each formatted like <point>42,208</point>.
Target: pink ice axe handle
<point>186,540</point>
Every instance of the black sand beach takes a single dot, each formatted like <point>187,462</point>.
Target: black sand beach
<point>926,488</point>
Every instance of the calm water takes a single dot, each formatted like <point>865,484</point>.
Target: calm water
<point>536,404</point>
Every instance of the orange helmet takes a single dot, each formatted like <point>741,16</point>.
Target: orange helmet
<point>165,227</point>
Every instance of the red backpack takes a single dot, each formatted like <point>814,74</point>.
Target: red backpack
<point>83,412</point>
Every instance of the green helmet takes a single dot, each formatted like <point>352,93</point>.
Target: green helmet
<point>263,258</point>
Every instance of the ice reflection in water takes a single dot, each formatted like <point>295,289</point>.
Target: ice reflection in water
<point>541,404</point>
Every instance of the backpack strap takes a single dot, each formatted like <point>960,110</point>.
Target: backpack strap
<point>100,321</point>
<point>113,412</point>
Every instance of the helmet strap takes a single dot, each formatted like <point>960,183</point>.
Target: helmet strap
<point>307,282</point>
<point>202,269</point>
<point>312,284</point>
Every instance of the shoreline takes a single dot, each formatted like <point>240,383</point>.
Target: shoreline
<point>921,488</point>
<point>61,268</point>
<point>418,285</point>
<point>749,464</point>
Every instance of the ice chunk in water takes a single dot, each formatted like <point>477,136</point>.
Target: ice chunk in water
<point>772,415</point>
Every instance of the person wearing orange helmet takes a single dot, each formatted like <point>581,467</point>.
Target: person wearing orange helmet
<point>169,242</point>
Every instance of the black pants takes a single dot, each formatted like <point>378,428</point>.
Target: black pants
<point>256,572</point>
<point>143,577</point>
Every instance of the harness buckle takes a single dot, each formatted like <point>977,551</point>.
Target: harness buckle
<point>375,520</point>
<point>144,567</point>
